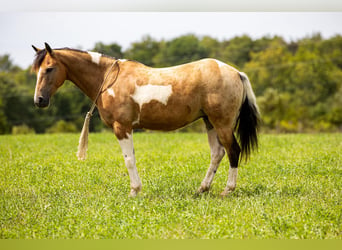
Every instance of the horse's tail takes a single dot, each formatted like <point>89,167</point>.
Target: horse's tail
<point>248,121</point>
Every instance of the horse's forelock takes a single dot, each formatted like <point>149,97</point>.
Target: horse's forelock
<point>38,60</point>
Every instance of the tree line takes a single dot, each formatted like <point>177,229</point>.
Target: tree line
<point>298,83</point>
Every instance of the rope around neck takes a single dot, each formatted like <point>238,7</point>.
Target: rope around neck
<point>102,84</point>
<point>83,142</point>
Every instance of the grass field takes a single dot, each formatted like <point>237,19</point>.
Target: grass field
<point>291,188</point>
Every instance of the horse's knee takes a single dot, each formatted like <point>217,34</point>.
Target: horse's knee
<point>217,156</point>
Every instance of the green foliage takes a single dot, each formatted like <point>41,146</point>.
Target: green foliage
<point>273,105</point>
<point>144,51</point>
<point>3,119</point>
<point>290,189</point>
<point>181,50</point>
<point>212,46</point>
<point>113,50</point>
<point>297,84</point>
<point>238,50</point>
<point>303,80</point>
<point>62,127</point>
<point>269,68</point>
<point>22,129</point>
<point>5,63</point>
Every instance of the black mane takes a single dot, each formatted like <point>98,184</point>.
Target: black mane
<point>40,55</point>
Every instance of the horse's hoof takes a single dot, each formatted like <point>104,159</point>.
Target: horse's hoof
<point>226,192</point>
<point>203,189</point>
<point>134,192</point>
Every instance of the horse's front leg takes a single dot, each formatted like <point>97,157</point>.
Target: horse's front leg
<point>125,137</point>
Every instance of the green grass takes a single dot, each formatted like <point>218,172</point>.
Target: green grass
<point>291,188</point>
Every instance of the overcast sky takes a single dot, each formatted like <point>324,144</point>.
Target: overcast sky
<point>83,29</point>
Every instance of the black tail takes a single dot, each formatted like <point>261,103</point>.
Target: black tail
<point>248,121</point>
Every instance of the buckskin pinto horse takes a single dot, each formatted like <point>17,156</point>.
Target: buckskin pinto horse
<point>137,96</point>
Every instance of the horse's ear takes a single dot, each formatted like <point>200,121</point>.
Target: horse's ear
<point>36,49</point>
<point>48,48</point>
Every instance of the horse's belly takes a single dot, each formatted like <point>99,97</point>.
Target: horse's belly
<point>157,116</point>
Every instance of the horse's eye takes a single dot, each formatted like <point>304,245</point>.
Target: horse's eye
<point>48,70</point>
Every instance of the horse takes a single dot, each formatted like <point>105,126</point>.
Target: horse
<point>130,95</point>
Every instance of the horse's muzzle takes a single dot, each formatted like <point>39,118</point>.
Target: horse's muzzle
<point>42,102</point>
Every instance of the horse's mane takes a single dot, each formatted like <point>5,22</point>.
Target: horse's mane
<point>39,58</point>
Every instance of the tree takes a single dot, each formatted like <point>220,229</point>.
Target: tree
<point>332,49</point>
<point>181,50</point>
<point>270,68</point>
<point>5,63</point>
<point>276,108</point>
<point>4,126</point>
<point>212,46</point>
<point>7,90</point>
<point>113,49</point>
<point>144,51</point>
<point>238,50</point>
<point>334,115</point>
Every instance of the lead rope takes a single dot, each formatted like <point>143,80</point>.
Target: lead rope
<point>83,141</point>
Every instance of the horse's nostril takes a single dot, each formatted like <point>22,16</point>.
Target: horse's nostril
<point>40,100</point>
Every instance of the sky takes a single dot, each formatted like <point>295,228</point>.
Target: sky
<point>20,30</point>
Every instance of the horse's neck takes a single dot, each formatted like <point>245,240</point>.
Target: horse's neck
<point>85,74</point>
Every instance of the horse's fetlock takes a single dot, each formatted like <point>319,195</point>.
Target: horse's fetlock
<point>135,189</point>
<point>231,187</point>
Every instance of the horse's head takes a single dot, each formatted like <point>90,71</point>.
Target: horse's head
<point>51,74</point>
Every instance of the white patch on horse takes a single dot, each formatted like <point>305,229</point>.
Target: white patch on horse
<point>111,92</point>
<point>232,176</point>
<point>220,64</point>
<point>123,60</point>
<point>128,153</point>
<point>137,121</point>
<point>146,93</point>
<point>95,57</point>
<point>38,79</point>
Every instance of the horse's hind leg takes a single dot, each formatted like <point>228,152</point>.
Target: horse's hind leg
<point>227,138</point>
<point>217,153</point>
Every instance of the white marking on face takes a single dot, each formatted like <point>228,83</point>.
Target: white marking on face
<point>146,93</point>
<point>220,64</point>
<point>95,57</point>
<point>111,92</point>
<point>123,60</point>
<point>39,75</point>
